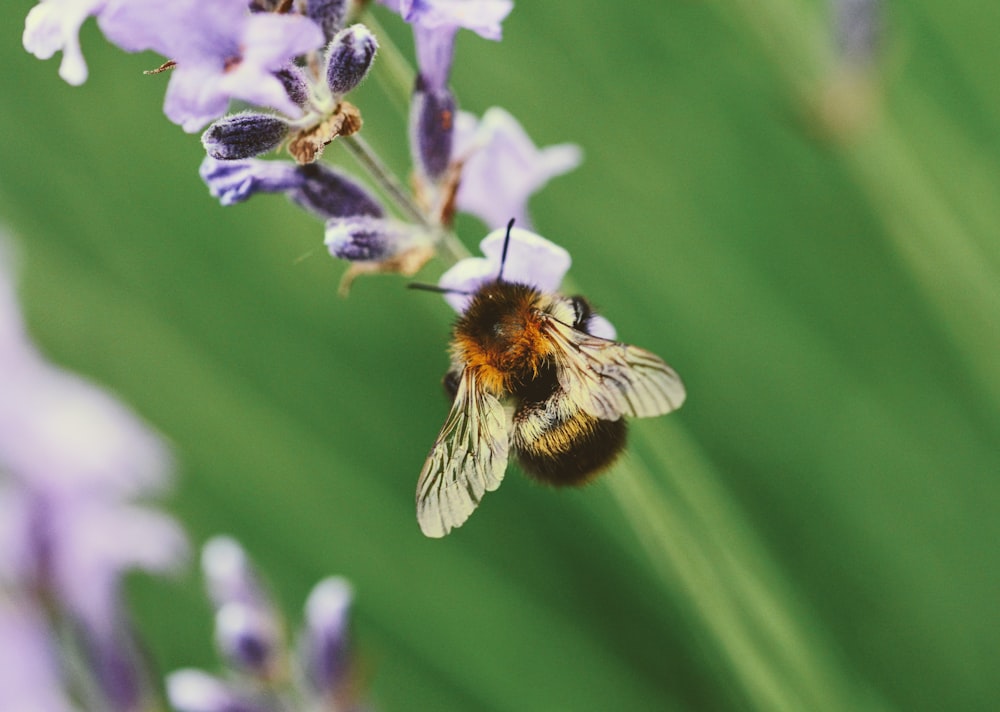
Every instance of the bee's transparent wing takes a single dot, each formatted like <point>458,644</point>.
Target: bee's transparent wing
<point>608,379</point>
<point>468,459</point>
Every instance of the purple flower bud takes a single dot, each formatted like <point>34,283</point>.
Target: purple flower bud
<point>331,194</point>
<point>349,57</point>
<point>192,690</point>
<point>244,135</point>
<point>234,181</point>
<point>295,83</point>
<point>432,124</point>
<point>367,239</point>
<point>248,638</point>
<point>229,575</point>
<point>327,660</point>
<point>328,14</point>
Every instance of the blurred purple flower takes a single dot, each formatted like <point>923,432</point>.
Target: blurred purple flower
<point>54,25</point>
<point>29,668</point>
<point>502,168</point>
<point>531,259</point>
<point>71,460</point>
<point>222,51</point>
<point>326,652</point>
<point>192,690</point>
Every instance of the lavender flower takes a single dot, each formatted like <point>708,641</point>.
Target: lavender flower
<point>249,636</point>
<point>435,24</point>
<point>326,649</point>
<point>367,239</point>
<point>222,51</point>
<point>531,259</point>
<point>320,189</point>
<point>502,168</point>
<point>229,575</point>
<point>192,690</point>
<point>29,668</point>
<point>72,459</point>
<point>348,59</point>
<point>244,135</point>
<point>54,25</point>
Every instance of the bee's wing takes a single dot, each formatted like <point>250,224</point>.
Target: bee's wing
<point>468,459</point>
<point>608,379</point>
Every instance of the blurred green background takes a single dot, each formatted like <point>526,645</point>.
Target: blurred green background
<point>819,260</point>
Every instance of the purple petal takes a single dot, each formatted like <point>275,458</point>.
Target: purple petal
<point>502,168</point>
<point>269,40</point>
<point>29,672</point>
<point>194,96</point>
<point>96,543</point>
<point>435,50</point>
<point>54,25</point>
<point>235,181</point>
<point>481,16</point>
<point>183,30</point>
<point>62,433</point>
<point>531,259</point>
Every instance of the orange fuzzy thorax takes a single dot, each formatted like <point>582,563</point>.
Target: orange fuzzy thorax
<point>500,336</point>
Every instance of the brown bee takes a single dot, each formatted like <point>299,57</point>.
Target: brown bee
<point>528,378</point>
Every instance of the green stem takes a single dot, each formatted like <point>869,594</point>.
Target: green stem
<point>381,173</point>
<point>708,557</point>
<point>392,71</point>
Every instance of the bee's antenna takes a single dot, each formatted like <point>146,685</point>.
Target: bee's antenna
<point>503,255</point>
<point>435,288</point>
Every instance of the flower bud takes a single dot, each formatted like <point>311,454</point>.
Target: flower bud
<point>432,122</point>
<point>248,638</point>
<point>190,690</point>
<point>244,135</point>
<point>235,181</point>
<point>327,658</point>
<point>330,194</point>
<point>328,14</point>
<point>229,575</point>
<point>367,239</point>
<point>349,57</point>
<point>295,84</point>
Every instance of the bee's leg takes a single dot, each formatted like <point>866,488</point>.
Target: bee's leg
<point>582,311</point>
<point>450,383</point>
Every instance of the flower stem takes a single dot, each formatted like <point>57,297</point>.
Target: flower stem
<point>381,173</point>
<point>392,70</point>
<point>708,558</point>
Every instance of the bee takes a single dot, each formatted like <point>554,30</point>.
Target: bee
<point>528,379</point>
